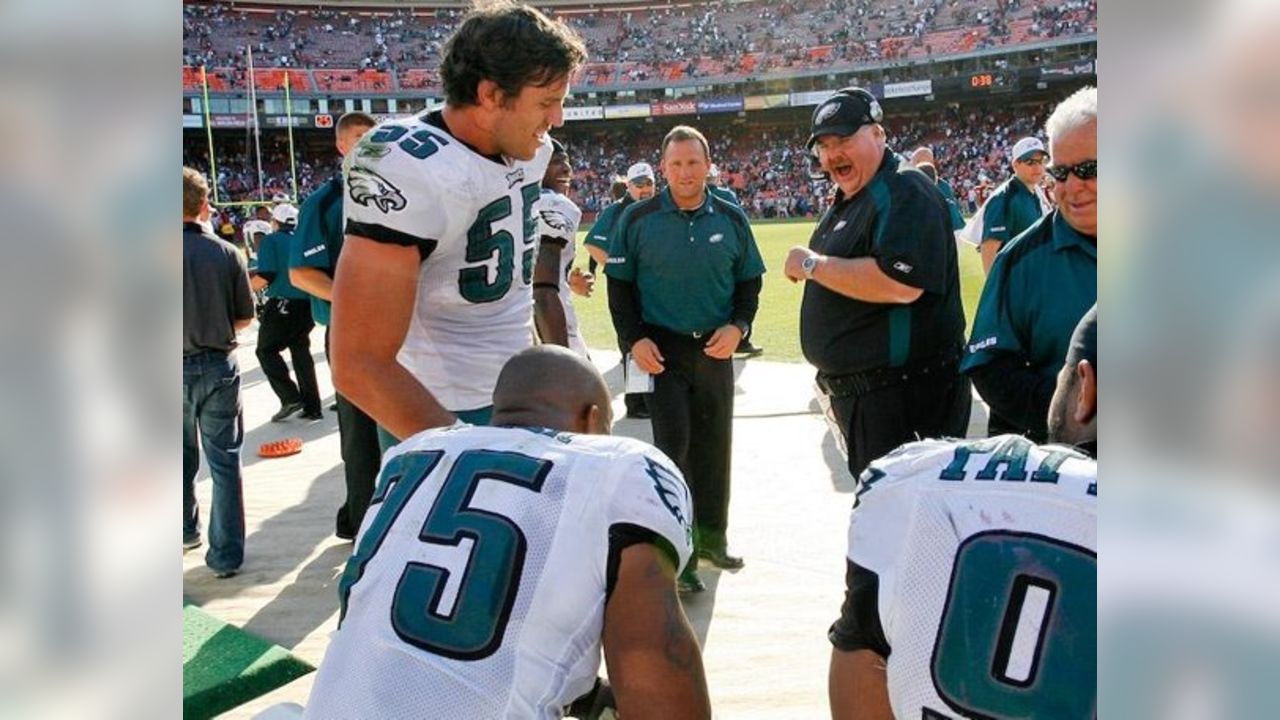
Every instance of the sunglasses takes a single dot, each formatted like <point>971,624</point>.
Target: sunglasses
<point>1086,170</point>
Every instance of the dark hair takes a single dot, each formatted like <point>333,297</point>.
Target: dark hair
<point>511,45</point>
<point>354,119</point>
<point>618,188</point>
<point>684,132</point>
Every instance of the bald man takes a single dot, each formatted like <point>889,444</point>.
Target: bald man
<point>924,155</point>
<point>496,561</point>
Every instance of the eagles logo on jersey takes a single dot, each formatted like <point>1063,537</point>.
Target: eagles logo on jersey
<point>369,188</point>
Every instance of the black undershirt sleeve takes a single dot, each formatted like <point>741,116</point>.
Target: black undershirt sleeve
<point>268,275</point>
<point>746,300</point>
<point>623,536</point>
<point>858,627</point>
<point>624,307</point>
<point>391,236</point>
<point>1016,393</point>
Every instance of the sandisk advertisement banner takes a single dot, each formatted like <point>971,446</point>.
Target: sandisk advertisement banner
<point>675,107</point>
<point>592,112</point>
<point>720,105</point>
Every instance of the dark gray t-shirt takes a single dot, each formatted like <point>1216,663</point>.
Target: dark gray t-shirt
<point>215,291</point>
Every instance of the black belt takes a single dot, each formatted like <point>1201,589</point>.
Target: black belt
<point>684,334</point>
<point>861,383</point>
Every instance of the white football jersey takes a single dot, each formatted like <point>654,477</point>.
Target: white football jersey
<point>986,558</point>
<point>477,589</point>
<point>253,231</point>
<point>559,217</point>
<point>410,182</point>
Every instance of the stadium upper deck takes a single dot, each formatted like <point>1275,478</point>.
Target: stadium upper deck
<point>344,49</point>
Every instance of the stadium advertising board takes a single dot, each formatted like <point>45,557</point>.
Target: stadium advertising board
<point>613,112</point>
<point>228,121</point>
<point>192,121</point>
<point>675,107</point>
<point>908,89</point>
<point>812,97</point>
<point>1068,69</point>
<point>763,102</point>
<point>286,120</point>
<point>590,112</point>
<point>719,105</point>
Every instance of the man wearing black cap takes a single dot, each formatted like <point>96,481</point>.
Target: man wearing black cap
<point>881,317</point>
<point>990,548</point>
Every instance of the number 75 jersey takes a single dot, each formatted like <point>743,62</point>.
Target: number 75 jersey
<point>478,586</point>
<point>410,183</point>
<point>972,567</point>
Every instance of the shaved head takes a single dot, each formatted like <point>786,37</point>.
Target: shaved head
<point>553,387</point>
<point>922,154</point>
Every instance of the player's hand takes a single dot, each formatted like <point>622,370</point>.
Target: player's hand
<point>581,283</point>
<point>792,268</point>
<point>723,342</point>
<point>647,356</point>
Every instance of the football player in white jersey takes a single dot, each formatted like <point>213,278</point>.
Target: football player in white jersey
<point>433,290</point>
<point>555,279</point>
<point>498,560</point>
<point>972,572</point>
<point>256,229</point>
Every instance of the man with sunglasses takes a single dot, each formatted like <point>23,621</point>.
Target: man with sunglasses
<point>1018,203</point>
<point>1041,283</point>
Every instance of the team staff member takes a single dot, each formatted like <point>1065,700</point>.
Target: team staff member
<point>640,186</point>
<point>1019,201</point>
<point>312,264</point>
<point>923,155</point>
<point>1042,283</point>
<point>881,317</point>
<point>682,307</point>
<point>216,304</point>
<point>286,323</point>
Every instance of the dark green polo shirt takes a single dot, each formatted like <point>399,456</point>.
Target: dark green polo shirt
<point>724,193</point>
<point>685,264</point>
<point>318,239</point>
<point>1010,210</point>
<point>1040,285</point>
<point>901,221</point>
<point>953,207</point>
<point>273,264</point>
<point>602,231</point>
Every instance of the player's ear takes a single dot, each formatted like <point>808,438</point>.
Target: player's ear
<point>1087,396</point>
<point>595,420</point>
<point>488,95</point>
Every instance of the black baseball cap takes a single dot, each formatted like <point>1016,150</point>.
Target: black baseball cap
<point>843,113</point>
<point>1084,341</point>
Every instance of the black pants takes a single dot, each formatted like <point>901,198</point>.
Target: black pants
<point>361,460</point>
<point>927,406</point>
<point>693,398</point>
<point>286,325</point>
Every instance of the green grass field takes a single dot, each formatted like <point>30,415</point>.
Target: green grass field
<point>777,326</point>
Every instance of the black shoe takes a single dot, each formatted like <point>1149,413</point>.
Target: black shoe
<point>746,348</point>
<point>224,574</point>
<point>312,415</point>
<point>287,412</point>
<point>639,414</point>
<point>191,543</point>
<point>689,582</point>
<point>334,407</point>
<point>721,558</point>
<point>592,705</point>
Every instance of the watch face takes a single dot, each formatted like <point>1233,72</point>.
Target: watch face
<point>808,264</point>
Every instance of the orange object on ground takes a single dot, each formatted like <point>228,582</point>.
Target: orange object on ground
<point>280,448</point>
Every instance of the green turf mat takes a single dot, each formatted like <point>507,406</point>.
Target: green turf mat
<point>224,666</point>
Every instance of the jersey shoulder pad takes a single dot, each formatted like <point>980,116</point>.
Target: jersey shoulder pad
<point>907,463</point>
<point>557,216</point>
<point>647,489</point>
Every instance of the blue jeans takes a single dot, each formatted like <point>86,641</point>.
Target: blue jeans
<point>211,406</point>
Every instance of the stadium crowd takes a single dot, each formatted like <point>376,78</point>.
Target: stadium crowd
<point>400,47</point>
<point>764,165</point>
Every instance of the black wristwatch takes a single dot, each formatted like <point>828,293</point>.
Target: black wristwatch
<point>743,326</point>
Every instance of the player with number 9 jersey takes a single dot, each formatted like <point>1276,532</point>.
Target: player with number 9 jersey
<point>972,570</point>
<point>411,183</point>
<point>480,579</point>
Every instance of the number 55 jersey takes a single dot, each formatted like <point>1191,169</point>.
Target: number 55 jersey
<point>972,568</point>
<point>411,183</point>
<point>480,576</point>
